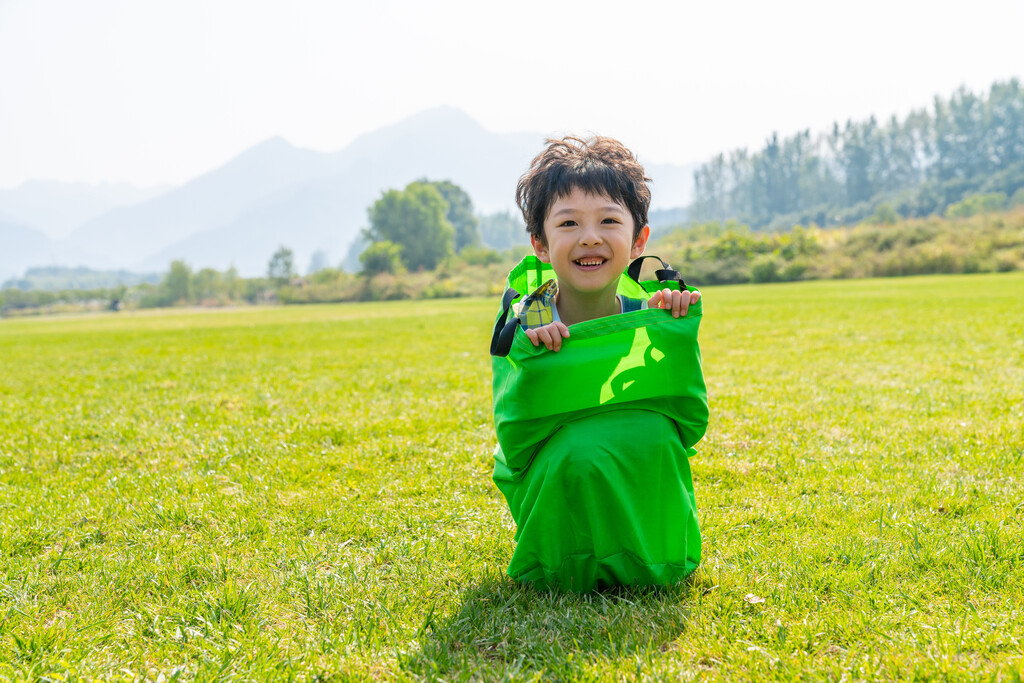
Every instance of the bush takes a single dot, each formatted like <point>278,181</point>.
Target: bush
<point>885,214</point>
<point>382,257</point>
<point>795,270</point>
<point>385,287</point>
<point>479,256</point>
<point>764,269</point>
<point>976,204</point>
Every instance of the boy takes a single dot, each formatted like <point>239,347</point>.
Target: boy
<point>585,204</point>
<point>594,443</point>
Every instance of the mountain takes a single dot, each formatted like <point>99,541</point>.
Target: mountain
<point>305,218</point>
<point>276,194</point>
<point>21,244</point>
<point>57,208</point>
<point>127,235</point>
<point>327,212</point>
<point>445,144</point>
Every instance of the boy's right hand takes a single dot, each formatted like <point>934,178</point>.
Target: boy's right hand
<point>674,301</point>
<point>550,335</point>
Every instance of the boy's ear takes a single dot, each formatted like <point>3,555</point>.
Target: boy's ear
<point>641,242</point>
<point>540,249</point>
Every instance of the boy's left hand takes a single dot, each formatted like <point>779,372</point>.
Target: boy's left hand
<point>675,301</point>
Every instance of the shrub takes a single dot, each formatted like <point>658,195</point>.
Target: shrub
<point>764,269</point>
<point>885,214</point>
<point>382,257</point>
<point>976,204</point>
<point>479,256</point>
<point>1017,199</point>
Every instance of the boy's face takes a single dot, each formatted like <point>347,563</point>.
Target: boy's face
<point>589,243</point>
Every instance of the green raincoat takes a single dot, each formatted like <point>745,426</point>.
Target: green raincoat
<point>594,443</point>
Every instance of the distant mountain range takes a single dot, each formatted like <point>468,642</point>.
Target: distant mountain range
<point>56,208</point>
<point>270,195</point>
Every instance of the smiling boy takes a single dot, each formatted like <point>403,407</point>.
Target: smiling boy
<point>594,442</point>
<point>585,203</point>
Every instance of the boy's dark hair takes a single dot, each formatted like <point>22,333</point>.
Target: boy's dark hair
<point>596,165</point>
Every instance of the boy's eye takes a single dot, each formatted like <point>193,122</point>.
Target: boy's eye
<point>610,220</point>
<point>567,224</point>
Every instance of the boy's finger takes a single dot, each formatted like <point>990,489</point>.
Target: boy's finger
<point>680,304</point>
<point>545,336</point>
<point>532,336</point>
<point>694,297</point>
<point>556,331</point>
<point>542,337</point>
<point>552,341</point>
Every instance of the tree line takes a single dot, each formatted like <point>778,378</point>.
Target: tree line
<point>968,239</point>
<point>911,167</point>
<point>961,165</point>
<point>418,238</point>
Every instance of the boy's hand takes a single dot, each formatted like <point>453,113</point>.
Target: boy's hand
<point>675,301</point>
<point>550,335</point>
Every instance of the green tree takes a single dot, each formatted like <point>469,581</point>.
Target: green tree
<point>207,284</point>
<point>382,257</point>
<point>885,214</point>
<point>1017,199</point>
<point>281,268</point>
<point>414,218</point>
<point>460,213</point>
<point>930,160</point>
<point>176,286</point>
<point>234,286</point>
<point>502,231</point>
<point>479,256</point>
<point>976,204</point>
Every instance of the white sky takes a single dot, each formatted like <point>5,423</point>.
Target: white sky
<point>155,92</point>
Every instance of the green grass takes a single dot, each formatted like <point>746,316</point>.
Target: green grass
<point>304,492</point>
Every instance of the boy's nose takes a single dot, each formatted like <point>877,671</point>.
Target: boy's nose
<point>590,236</point>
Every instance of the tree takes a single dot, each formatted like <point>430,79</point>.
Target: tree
<point>1005,108</point>
<point>234,285</point>
<point>975,204</point>
<point>933,158</point>
<point>413,218</point>
<point>382,257</point>
<point>711,190</point>
<point>177,284</point>
<point>207,284</point>
<point>281,268</point>
<point>460,213</point>
<point>502,231</point>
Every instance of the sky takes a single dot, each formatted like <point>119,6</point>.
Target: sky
<point>158,92</point>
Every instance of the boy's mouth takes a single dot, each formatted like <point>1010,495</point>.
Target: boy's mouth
<point>590,262</point>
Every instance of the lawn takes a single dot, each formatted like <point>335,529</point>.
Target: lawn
<point>304,492</point>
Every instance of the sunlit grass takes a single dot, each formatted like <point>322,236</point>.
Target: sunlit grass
<point>305,491</point>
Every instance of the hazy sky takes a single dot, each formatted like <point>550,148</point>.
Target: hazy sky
<point>159,92</point>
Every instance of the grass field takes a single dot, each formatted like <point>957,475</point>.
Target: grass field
<point>304,492</point>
